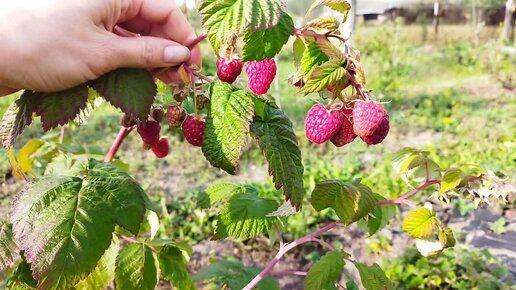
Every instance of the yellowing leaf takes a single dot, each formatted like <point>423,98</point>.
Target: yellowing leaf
<point>451,179</point>
<point>341,6</point>
<point>25,158</point>
<point>420,223</point>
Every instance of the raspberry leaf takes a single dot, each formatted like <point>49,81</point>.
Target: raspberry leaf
<point>452,178</point>
<point>373,277</point>
<point>330,50</point>
<point>313,57</point>
<point>59,108</point>
<point>22,277</point>
<point>104,273</point>
<point>342,6</point>
<point>136,268</point>
<point>278,142</point>
<point>323,24</point>
<point>172,264</point>
<point>326,272</point>
<point>324,76</point>
<point>264,44</point>
<point>351,201</point>
<point>226,18</point>
<point>8,248</point>
<point>131,90</point>
<point>420,223</point>
<point>245,216</point>
<point>16,118</point>
<point>219,192</point>
<point>227,125</point>
<point>63,248</point>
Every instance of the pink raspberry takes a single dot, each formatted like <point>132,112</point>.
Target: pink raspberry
<point>261,74</point>
<point>379,134</point>
<point>149,131</point>
<point>321,124</point>
<point>162,148</point>
<point>228,71</point>
<point>367,117</point>
<point>345,135</point>
<point>193,130</point>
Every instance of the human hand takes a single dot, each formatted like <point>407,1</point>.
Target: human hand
<point>52,45</point>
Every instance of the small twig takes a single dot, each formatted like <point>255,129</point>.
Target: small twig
<point>280,237</point>
<point>427,170</point>
<point>62,134</point>
<point>285,273</point>
<point>128,239</point>
<point>124,131</point>
<point>266,271</point>
<point>324,244</point>
<point>402,199</point>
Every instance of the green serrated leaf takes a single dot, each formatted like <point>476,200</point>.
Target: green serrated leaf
<point>278,142</point>
<point>351,285</point>
<point>219,192</point>
<point>299,49</point>
<point>351,201</point>
<point>286,209</point>
<point>452,178</point>
<point>324,76</point>
<point>129,89</point>
<point>341,6</point>
<point>17,117</point>
<point>63,248</point>
<point>373,277</point>
<point>8,248</point>
<point>172,264</point>
<point>22,278</point>
<point>104,273</point>
<point>420,223</point>
<point>323,24</point>
<point>375,220</point>
<point>245,216</point>
<point>226,18</point>
<point>326,271</point>
<point>136,268</point>
<point>265,44</point>
<point>408,159</point>
<point>330,50</point>
<point>227,125</point>
<point>313,57</point>
<point>54,111</point>
<point>446,238</point>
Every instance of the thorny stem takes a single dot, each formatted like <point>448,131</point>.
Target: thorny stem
<point>313,237</point>
<point>124,131</point>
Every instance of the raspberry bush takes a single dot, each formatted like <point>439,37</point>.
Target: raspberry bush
<point>87,223</point>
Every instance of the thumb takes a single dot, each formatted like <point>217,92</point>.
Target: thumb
<point>147,52</point>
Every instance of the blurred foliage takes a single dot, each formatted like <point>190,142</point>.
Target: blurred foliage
<point>461,268</point>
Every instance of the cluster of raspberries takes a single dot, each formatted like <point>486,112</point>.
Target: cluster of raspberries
<point>260,73</point>
<point>342,125</point>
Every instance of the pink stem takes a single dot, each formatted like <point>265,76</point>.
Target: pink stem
<point>401,199</point>
<point>124,131</point>
<point>284,273</point>
<point>266,271</point>
<point>62,134</point>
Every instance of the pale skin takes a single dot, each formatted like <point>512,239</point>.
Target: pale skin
<point>52,45</point>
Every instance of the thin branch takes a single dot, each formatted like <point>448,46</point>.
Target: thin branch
<point>285,273</point>
<point>280,237</point>
<point>266,271</point>
<point>62,134</point>
<point>124,131</point>
<point>190,46</point>
<point>324,244</point>
<point>401,199</point>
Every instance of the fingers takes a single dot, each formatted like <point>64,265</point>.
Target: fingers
<point>163,18</point>
<point>146,52</point>
<point>5,91</point>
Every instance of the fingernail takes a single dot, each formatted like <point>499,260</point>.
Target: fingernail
<point>176,54</point>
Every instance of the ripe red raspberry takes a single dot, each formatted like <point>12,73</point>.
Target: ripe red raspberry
<point>193,130</point>
<point>161,149</point>
<point>228,71</point>
<point>149,131</point>
<point>345,135</point>
<point>175,116</point>
<point>367,116</point>
<point>321,124</point>
<point>379,134</point>
<point>261,74</point>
